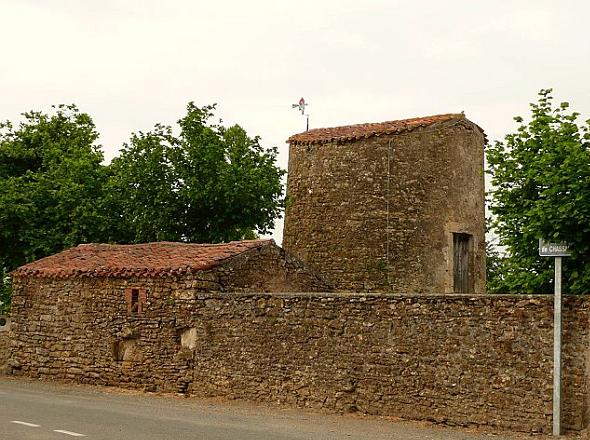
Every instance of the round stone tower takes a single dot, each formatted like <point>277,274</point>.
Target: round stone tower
<point>394,206</point>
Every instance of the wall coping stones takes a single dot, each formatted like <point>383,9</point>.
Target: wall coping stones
<point>423,296</point>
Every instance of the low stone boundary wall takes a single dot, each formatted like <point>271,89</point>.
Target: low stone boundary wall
<point>456,359</point>
<point>4,351</point>
<point>483,360</point>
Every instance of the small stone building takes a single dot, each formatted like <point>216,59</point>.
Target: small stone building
<point>393,206</point>
<point>127,314</point>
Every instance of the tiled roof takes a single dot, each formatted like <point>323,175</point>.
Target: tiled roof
<point>353,132</point>
<point>148,260</point>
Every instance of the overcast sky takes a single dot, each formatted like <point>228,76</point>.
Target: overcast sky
<point>132,63</point>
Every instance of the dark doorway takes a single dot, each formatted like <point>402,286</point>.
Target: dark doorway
<point>462,273</point>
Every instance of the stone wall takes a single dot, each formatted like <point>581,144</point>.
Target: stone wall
<point>4,351</point>
<point>456,360</point>
<point>379,214</point>
<point>467,360</point>
<point>265,269</point>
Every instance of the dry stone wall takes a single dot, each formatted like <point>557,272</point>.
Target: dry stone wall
<point>266,269</point>
<point>82,328</point>
<point>457,360</point>
<point>379,214</point>
<point>4,351</point>
<point>466,360</point>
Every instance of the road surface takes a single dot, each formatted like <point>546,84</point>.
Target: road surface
<point>37,410</point>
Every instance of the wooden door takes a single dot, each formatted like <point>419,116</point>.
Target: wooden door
<point>462,274</point>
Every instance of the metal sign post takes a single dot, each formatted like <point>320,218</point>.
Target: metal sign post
<point>557,250</point>
<point>557,350</point>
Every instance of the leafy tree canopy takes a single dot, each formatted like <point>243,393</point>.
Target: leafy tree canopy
<point>206,184</point>
<point>51,182</point>
<point>541,180</point>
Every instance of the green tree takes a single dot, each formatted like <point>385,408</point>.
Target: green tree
<point>51,185</point>
<point>206,184</point>
<point>541,180</point>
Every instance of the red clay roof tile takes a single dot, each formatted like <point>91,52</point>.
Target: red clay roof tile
<point>353,132</point>
<point>149,259</point>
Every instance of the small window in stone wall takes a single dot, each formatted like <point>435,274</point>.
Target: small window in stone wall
<point>136,298</point>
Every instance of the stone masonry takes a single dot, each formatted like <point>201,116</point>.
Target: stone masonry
<point>455,359</point>
<point>374,207</point>
<point>4,351</point>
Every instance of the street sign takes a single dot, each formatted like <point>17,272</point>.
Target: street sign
<point>559,249</point>
<point>556,250</point>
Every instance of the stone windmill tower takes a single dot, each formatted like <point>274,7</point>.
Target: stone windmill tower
<point>394,206</point>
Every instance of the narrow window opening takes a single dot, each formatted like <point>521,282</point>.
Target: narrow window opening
<point>134,300</point>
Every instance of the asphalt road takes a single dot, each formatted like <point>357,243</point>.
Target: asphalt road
<point>36,410</point>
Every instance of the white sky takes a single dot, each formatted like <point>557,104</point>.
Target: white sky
<point>132,63</point>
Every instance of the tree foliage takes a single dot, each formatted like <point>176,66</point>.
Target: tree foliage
<point>541,180</point>
<point>206,184</point>
<point>51,183</point>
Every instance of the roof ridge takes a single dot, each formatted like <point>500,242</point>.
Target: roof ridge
<point>353,132</point>
<point>175,243</point>
<point>142,259</point>
<point>248,249</point>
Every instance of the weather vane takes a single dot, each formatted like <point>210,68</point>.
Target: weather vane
<point>301,107</point>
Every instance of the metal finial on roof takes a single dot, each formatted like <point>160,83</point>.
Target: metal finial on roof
<point>301,107</point>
